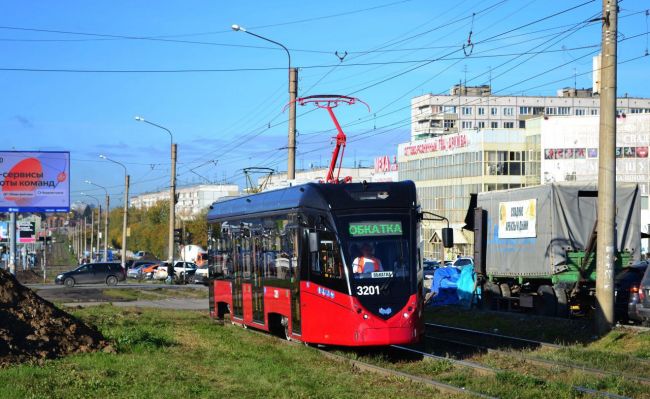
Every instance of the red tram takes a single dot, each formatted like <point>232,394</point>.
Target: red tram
<point>333,264</point>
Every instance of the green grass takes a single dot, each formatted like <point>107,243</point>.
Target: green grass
<point>133,294</point>
<point>184,354</point>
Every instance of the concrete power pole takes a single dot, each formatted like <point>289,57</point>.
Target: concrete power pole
<point>125,218</point>
<point>606,228</point>
<point>12,243</point>
<point>293,92</point>
<point>172,206</point>
<point>106,212</point>
<point>92,232</point>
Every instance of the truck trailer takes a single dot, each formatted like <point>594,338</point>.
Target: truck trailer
<point>536,246</point>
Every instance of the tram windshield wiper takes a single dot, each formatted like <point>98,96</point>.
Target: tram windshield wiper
<point>385,288</point>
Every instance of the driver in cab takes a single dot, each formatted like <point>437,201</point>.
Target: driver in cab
<point>366,263</point>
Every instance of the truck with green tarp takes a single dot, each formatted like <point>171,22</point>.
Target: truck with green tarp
<point>536,246</point>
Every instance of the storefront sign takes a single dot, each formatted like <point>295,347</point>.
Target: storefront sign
<point>518,219</point>
<point>26,232</point>
<point>443,143</point>
<point>384,164</point>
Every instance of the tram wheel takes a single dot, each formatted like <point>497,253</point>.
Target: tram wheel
<point>285,324</point>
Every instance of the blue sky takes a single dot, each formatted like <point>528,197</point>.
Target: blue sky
<point>235,119</point>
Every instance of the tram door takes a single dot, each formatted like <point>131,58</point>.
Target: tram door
<point>297,245</point>
<point>237,295</point>
<point>258,287</point>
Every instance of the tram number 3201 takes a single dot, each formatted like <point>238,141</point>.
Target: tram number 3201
<point>367,290</point>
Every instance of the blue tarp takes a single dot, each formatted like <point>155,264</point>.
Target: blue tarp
<point>465,285</point>
<point>451,286</point>
<point>444,286</point>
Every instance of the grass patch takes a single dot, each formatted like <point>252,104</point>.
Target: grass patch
<point>150,294</point>
<point>183,354</point>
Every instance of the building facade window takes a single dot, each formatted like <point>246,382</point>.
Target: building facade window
<point>494,125</point>
<point>564,110</point>
<point>494,111</point>
<point>508,125</point>
<point>466,124</point>
<point>581,111</point>
<point>525,110</point>
<point>508,111</point>
<point>481,110</point>
<point>467,110</point>
<point>522,124</point>
<point>449,123</point>
<point>551,111</point>
<point>449,109</point>
<point>593,111</point>
<point>481,125</point>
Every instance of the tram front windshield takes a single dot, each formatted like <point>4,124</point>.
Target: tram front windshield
<point>377,250</point>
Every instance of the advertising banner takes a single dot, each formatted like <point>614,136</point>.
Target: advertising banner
<point>518,219</point>
<point>34,181</point>
<point>26,232</point>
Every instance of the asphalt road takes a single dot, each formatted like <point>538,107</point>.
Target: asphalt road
<point>93,294</point>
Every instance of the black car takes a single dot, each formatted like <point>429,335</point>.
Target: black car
<point>643,306</point>
<point>430,267</point>
<point>93,273</point>
<point>626,292</point>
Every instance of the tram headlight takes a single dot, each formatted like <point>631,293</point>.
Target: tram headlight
<point>406,315</point>
<point>365,316</point>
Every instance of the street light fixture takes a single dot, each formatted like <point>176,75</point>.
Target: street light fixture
<point>126,207</point>
<point>105,218</point>
<point>293,90</point>
<point>172,189</point>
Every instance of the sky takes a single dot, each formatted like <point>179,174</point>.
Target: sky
<point>75,73</point>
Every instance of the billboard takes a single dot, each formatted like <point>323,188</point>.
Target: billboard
<point>26,232</point>
<point>4,231</point>
<point>36,181</point>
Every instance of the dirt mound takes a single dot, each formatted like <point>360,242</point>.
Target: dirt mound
<point>33,329</point>
<point>29,277</point>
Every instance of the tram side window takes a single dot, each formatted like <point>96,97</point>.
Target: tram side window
<point>286,259</point>
<point>328,263</point>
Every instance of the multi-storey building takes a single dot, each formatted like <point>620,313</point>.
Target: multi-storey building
<point>467,108</point>
<point>191,199</point>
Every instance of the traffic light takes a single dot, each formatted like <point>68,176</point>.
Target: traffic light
<point>188,237</point>
<point>178,236</point>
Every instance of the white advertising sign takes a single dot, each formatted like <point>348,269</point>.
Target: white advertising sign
<point>518,219</point>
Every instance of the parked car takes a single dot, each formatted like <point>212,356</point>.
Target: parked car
<point>142,255</point>
<point>109,273</point>
<point>430,267</point>
<point>643,305</point>
<point>182,270</point>
<point>137,268</point>
<point>149,271</point>
<point>463,261</point>
<point>627,288</point>
<point>201,275</point>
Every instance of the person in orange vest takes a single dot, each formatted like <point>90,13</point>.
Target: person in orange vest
<point>366,263</point>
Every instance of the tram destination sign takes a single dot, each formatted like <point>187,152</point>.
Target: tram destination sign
<point>375,229</point>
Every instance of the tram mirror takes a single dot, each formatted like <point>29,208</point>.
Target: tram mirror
<point>447,237</point>
<point>313,242</point>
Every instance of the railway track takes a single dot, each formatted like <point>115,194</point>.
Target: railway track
<point>364,366</point>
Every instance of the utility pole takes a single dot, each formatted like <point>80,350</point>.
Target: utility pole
<point>92,232</point>
<point>85,246</point>
<point>125,218</point>
<point>99,228</point>
<point>293,92</point>
<point>606,228</point>
<point>12,243</point>
<point>106,228</point>
<point>172,206</point>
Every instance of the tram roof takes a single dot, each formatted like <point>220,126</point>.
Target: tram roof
<point>319,197</point>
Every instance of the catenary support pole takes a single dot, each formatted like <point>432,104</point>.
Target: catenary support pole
<point>125,218</point>
<point>606,228</point>
<point>293,92</point>
<point>172,206</point>
<point>108,203</point>
<point>12,243</point>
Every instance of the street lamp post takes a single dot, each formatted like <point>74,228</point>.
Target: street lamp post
<point>126,207</point>
<point>293,91</point>
<point>92,225</point>
<point>172,188</point>
<point>105,218</point>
